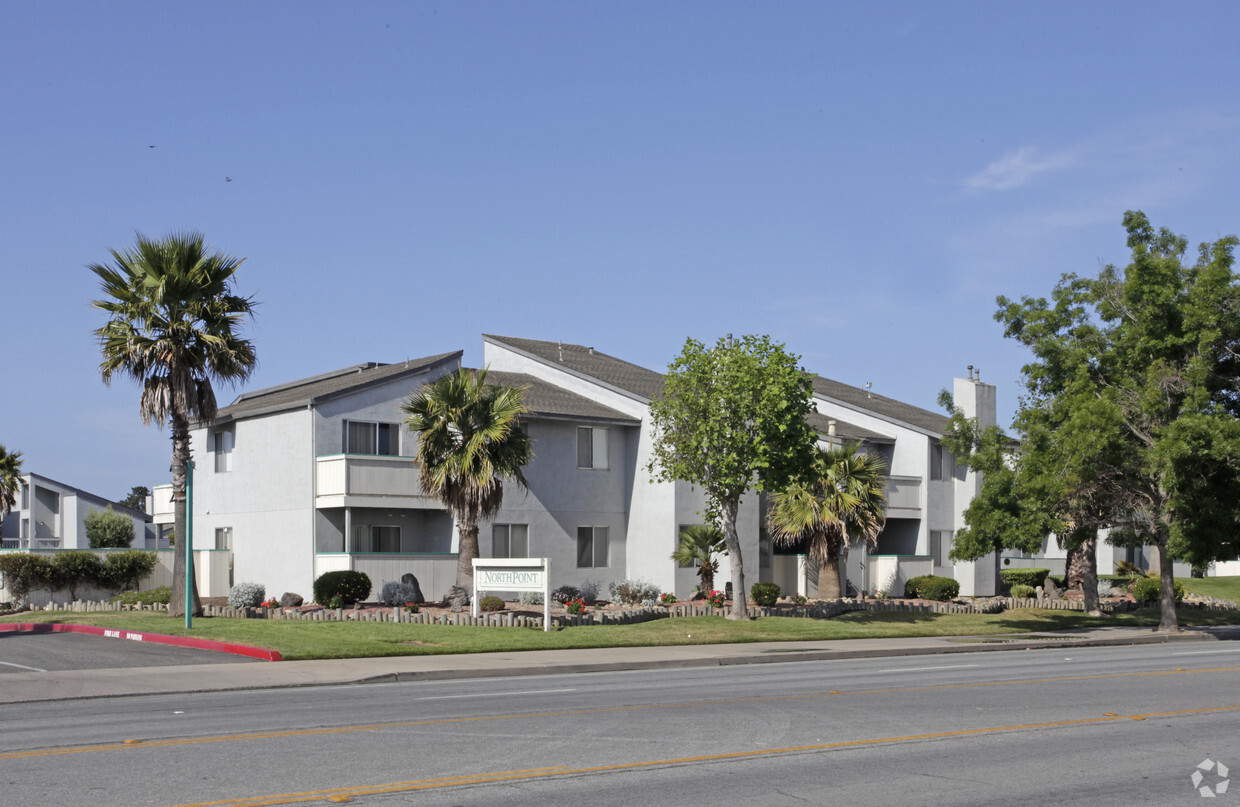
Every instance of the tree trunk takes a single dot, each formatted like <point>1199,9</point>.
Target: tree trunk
<point>1087,563</point>
<point>706,573</point>
<point>1168,619</point>
<point>466,553</point>
<point>727,520</point>
<point>181,456</point>
<point>1074,564</point>
<point>829,574</point>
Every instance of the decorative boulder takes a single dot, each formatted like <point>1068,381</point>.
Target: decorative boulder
<point>290,600</point>
<point>456,599</point>
<point>409,579</point>
<point>1051,591</point>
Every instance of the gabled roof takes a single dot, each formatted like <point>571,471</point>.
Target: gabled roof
<point>584,361</point>
<point>326,386</point>
<point>549,401</point>
<point>879,405</point>
<point>91,497</point>
<point>844,431</point>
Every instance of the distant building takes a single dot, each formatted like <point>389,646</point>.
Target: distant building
<point>52,515</point>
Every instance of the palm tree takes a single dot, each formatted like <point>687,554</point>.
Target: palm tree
<point>173,329</point>
<point>471,442</point>
<point>701,545</point>
<point>10,479</point>
<point>841,503</point>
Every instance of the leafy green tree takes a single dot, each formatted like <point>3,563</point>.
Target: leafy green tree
<point>173,328</point>
<point>841,502</point>
<point>470,443</point>
<point>731,418</point>
<point>1130,418</point>
<point>108,529</point>
<point>10,479</point>
<point>701,545</point>
<point>136,500</point>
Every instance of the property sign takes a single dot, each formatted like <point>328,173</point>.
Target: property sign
<point>514,574</point>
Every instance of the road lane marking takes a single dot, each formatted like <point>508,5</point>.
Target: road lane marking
<point>329,730</point>
<point>928,669</point>
<point>22,666</point>
<point>1207,652</point>
<point>493,694</point>
<point>339,794</point>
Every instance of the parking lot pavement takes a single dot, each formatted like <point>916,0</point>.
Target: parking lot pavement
<point>47,652</point>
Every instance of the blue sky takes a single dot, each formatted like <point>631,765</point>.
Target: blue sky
<point>858,180</point>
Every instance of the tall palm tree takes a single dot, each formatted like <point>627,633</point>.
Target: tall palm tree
<point>172,327</point>
<point>701,545</point>
<point>841,503</point>
<point>470,443</point>
<point>10,478</point>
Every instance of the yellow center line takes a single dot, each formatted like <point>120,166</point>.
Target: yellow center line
<point>130,745</point>
<point>347,793</point>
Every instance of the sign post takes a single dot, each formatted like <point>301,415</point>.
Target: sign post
<point>514,574</point>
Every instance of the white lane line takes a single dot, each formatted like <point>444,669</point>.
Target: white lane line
<point>928,669</point>
<point>1207,652</point>
<point>494,694</point>
<point>22,667</point>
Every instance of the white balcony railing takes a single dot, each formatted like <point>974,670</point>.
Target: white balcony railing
<point>354,480</point>
<point>903,493</point>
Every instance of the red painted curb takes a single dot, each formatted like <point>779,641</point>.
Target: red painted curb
<point>157,638</point>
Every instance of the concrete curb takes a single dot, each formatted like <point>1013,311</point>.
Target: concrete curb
<point>142,636</point>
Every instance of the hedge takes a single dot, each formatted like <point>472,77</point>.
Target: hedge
<point>1024,577</point>
<point>350,585</point>
<point>931,587</point>
<point>1148,590</point>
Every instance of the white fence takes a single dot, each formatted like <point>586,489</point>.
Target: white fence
<point>436,573</point>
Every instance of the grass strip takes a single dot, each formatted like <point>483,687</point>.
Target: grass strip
<point>296,640</point>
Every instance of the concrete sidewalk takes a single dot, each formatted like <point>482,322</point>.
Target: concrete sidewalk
<point>30,687</point>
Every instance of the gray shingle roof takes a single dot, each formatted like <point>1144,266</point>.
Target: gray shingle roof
<point>586,361</point>
<point>548,400</point>
<point>882,406</point>
<point>847,432</point>
<point>328,385</point>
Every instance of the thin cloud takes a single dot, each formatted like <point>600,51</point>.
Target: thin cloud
<point>1016,169</point>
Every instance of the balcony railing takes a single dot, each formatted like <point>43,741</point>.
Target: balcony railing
<point>355,480</point>
<point>903,493</point>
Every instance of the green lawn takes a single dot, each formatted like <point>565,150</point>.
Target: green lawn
<point>315,640</point>
<point>1227,588</point>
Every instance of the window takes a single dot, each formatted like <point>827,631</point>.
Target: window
<point>223,538</point>
<point>224,440</point>
<point>510,541</point>
<point>591,547</point>
<point>375,538</point>
<point>591,447</point>
<point>25,533</point>
<point>362,437</point>
<point>940,546</point>
<point>943,465</point>
<point>25,496</point>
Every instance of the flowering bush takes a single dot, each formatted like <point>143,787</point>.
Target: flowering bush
<point>716,598</point>
<point>566,594</point>
<point>411,607</point>
<point>577,606</point>
<point>272,603</point>
<point>246,595</point>
<point>667,598</point>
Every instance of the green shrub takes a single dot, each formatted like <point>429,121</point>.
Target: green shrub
<point>127,570</point>
<point>162,595</point>
<point>565,594</point>
<point>764,594</point>
<point>1148,590</point>
<point>491,603</point>
<point>1024,577</point>
<point>930,587</point>
<point>78,567</point>
<point>108,529</point>
<point>246,595</point>
<point>1022,592</point>
<point>939,588</point>
<point>351,586</point>
<point>24,573</point>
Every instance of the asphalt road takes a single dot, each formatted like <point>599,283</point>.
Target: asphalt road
<point>1096,726</point>
<point>41,652</point>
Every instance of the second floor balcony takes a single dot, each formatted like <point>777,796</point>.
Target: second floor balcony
<point>903,495</point>
<point>364,480</point>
